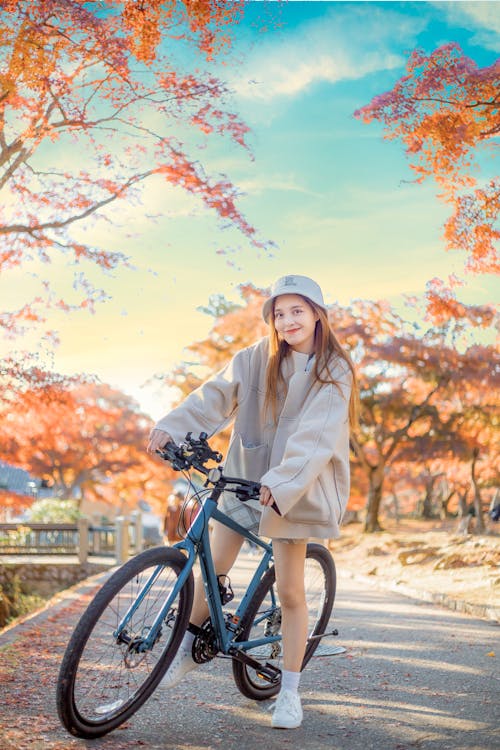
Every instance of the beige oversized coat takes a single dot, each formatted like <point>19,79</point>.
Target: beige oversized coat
<point>303,459</point>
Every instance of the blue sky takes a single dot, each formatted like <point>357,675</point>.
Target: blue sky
<point>333,196</point>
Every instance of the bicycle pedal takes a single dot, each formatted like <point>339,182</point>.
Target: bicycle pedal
<point>225,590</point>
<point>269,675</point>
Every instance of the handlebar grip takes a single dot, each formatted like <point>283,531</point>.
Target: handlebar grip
<point>167,450</point>
<point>173,453</point>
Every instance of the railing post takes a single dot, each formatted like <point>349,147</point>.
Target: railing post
<point>96,541</point>
<point>122,541</point>
<point>83,540</point>
<point>138,535</point>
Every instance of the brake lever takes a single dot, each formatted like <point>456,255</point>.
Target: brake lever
<point>175,456</point>
<point>252,493</point>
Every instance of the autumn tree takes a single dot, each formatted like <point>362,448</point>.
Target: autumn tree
<point>445,111</point>
<point>398,377</point>
<point>12,503</point>
<point>84,439</point>
<point>458,470</point>
<point>90,97</point>
<point>472,429</point>
<point>411,380</point>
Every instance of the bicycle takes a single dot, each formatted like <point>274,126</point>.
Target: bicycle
<point>129,634</point>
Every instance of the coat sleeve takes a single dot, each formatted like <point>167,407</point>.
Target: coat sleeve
<point>318,439</point>
<point>212,406</point>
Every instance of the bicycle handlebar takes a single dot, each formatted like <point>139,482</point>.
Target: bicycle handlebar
<point>192,453</point>
<point>196,453</point>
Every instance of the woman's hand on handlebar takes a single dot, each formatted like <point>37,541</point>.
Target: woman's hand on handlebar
<point>158,439</point>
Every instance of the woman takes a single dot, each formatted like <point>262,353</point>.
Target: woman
<point>292,396</point>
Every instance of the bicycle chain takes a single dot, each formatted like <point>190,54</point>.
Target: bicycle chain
<point>205,643</point>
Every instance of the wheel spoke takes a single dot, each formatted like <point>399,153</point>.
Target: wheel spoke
<point>110,676</point>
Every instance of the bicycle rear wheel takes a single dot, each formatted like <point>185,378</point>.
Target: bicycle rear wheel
<point>104,676</point>
<point>263,618</point>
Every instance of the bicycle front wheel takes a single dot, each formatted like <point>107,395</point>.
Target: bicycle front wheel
<point>263,619</point>
<point>108,672</point>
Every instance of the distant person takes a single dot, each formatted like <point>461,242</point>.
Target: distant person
<point>494,511</point>
<point>292,398</point>
<point>172,518</point>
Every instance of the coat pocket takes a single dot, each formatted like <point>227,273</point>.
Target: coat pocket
<point>247,461</point>
<point>313,508</point>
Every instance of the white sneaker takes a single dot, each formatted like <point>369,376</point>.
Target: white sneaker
<point>182,664</point>
<point>287,711</point>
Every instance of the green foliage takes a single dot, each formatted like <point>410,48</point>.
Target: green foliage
<point>14,538</point>
<point>15,603</point>
<point>54,510</point>
<point>218,306</point>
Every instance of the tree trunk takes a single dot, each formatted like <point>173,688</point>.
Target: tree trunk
<point>465,517</point>
<point>462,503</point>
<point>395,507</point>
<point>427,501</point>
<point>478,501</point>
<point>79,499</point>
<point>444,502</point>
<point>374,498</point>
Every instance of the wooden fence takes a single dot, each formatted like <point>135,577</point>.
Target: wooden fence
<point>85,540</point>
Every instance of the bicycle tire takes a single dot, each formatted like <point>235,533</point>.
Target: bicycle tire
<point>264,613</point>
<point>102,681</point>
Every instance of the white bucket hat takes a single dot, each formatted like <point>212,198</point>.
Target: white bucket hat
<point>302,285</point>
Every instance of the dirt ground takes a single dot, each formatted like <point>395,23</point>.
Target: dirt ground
<point>429,560</point>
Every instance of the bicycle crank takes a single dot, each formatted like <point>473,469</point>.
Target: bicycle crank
<point>265,671</point>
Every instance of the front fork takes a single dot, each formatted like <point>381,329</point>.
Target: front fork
<point>150,635</point>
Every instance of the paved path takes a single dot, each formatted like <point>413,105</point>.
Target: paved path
<point>414,676</point>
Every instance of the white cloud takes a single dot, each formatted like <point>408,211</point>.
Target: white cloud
<point>345,44</point>
<point>481,17</point>
<point>287,183</point>
<point>485,14</point>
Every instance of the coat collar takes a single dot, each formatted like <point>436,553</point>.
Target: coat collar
<point>296,362</point>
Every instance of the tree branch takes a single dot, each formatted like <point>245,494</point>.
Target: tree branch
<point>418,411</point>
<point>359,453</point>
<point>33,230</point>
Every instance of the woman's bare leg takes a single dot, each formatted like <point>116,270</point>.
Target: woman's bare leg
<point>289,561</point>
<point>225,545</point>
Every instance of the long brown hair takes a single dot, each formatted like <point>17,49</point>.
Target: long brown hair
<point>326,349</point>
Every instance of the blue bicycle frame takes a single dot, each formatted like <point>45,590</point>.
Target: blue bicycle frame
<point>197,544</point>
